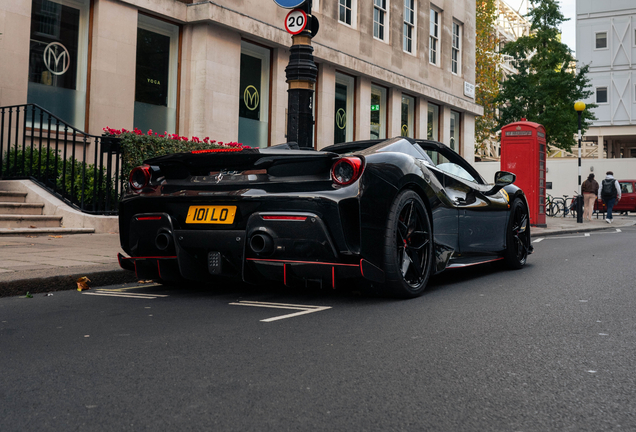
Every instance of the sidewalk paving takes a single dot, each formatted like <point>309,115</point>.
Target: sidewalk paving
<point>46,263</point>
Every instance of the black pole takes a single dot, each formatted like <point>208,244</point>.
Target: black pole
<point>579,203</point>
<point>301,75</point>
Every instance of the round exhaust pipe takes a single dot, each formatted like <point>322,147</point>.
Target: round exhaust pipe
<point>163,241</point>
<point>262,243</point>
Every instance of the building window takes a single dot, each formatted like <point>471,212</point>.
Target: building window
<point>433,40</point>
<point>408,115</point>
<point>156,75</point>
<point>346,11</point>
<point>601,40</point>
<point>379,18</point>
<point>58,58</point>
<point>378,112</point>
<point>343,124</point>
<point>455,130</point>
<point>254,95</point>
<point>601,95</point>
<point>456,52</point>
<point>432,126</point>
<point>409,25</point>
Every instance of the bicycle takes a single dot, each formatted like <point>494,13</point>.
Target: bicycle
<point>551,207</point>
<point>566,205</point>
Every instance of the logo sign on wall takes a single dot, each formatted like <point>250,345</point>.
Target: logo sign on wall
<point>341,118</point>
<point>251,98</point>
<point>296,21</point>
<point>56,58</point>
<point>289,4</point>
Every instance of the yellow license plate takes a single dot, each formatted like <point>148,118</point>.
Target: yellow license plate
<point>211,214</point>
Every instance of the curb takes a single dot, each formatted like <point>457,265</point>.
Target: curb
<point>575,230</point>
<point>64,282</point>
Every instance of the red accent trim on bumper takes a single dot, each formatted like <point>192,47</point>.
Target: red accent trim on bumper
<point>452,266</point>
<point>302,262</point>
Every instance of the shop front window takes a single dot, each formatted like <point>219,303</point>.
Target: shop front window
<point>343,124</point>
<point>156,76</point>
<point>408,113</point>
<point>254,95</point>
<point>432,131</point>
<point>378,112</point>
<point>58,58</point>
<point>455,124</point>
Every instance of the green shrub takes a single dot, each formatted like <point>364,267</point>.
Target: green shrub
<point>136,146</point>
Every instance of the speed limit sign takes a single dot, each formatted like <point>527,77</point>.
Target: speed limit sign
<point>296,21</point>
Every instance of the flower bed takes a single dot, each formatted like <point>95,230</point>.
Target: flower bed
<point>137,146</point>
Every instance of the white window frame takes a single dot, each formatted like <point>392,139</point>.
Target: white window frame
<point>433,38</point>
<point>172,31</point>
<point>382,92</point>
<point>350,82</point>
<point>354,8</point>
<point>383,13</point>
<point>456,49</point>
<point>82,54</point>
<point>411,116</point>
<point>596,95</point>
<point>606,40</point>
<point>410,25</point>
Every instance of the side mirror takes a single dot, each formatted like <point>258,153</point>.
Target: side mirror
<point>502,179</point>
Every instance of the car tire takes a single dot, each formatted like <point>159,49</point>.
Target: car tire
<point>408,249</point>
<point>517,235</point>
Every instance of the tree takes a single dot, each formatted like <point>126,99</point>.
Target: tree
<point>547,85</point>
<point>487,71</point>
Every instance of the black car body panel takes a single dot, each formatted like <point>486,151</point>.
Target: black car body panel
<point>293,223</point>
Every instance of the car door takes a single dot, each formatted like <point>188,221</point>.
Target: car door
<point>481,219</point>
<point>628,196</point>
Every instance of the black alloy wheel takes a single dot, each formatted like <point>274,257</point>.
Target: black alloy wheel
<point>408,246</point>
<point>518,235</point>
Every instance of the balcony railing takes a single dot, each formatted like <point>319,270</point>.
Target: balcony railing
<point>82,170</point>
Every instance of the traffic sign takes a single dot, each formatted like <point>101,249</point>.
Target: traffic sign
<point>296,21</point>
<point>289,4</point>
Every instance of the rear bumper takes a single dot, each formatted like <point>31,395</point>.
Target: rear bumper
<point>287,247</point>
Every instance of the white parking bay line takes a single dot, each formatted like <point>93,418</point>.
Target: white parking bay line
<point>618,230</point>
<point>303,308</point>
<point>538,240</point>
<point>108,293</point>
<point>587,234</point>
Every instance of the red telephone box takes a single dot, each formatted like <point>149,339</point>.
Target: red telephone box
<point>523,153</point>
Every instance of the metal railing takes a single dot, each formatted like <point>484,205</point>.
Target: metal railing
<point>82,170</point>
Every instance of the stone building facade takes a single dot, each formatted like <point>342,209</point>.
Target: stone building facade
<point>217,68</point>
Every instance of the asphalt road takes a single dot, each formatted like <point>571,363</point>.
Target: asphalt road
<point>546,348</point>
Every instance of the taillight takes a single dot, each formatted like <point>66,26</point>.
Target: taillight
<point>346,170</point>
<point>139,177</point>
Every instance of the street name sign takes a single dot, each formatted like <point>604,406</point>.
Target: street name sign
<point>289,4</point>
<point>295,21</point>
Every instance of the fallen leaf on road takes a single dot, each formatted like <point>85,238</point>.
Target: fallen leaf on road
<point>56,236</point>
<point>32,226</point>
<point>82,283</point>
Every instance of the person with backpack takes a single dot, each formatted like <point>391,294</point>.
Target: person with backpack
<point>589,189</point>
<point>610,192</point>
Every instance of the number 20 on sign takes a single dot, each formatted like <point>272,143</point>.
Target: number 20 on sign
<point>296,21</point>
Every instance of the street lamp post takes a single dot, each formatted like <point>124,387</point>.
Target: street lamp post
<point>579,107</point>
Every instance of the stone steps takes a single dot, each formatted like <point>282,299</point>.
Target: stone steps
<point>17,217</point>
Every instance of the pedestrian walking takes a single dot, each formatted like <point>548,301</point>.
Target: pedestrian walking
<point>610,192</point>
<point>590,191</point>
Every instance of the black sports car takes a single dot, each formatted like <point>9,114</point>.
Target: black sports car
<point>389,212</point>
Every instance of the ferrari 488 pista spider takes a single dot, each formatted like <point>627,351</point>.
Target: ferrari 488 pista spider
<point>389,213</point>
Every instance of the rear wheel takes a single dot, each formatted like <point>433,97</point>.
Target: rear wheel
<point>408,249</point>
<point>517,235</point>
